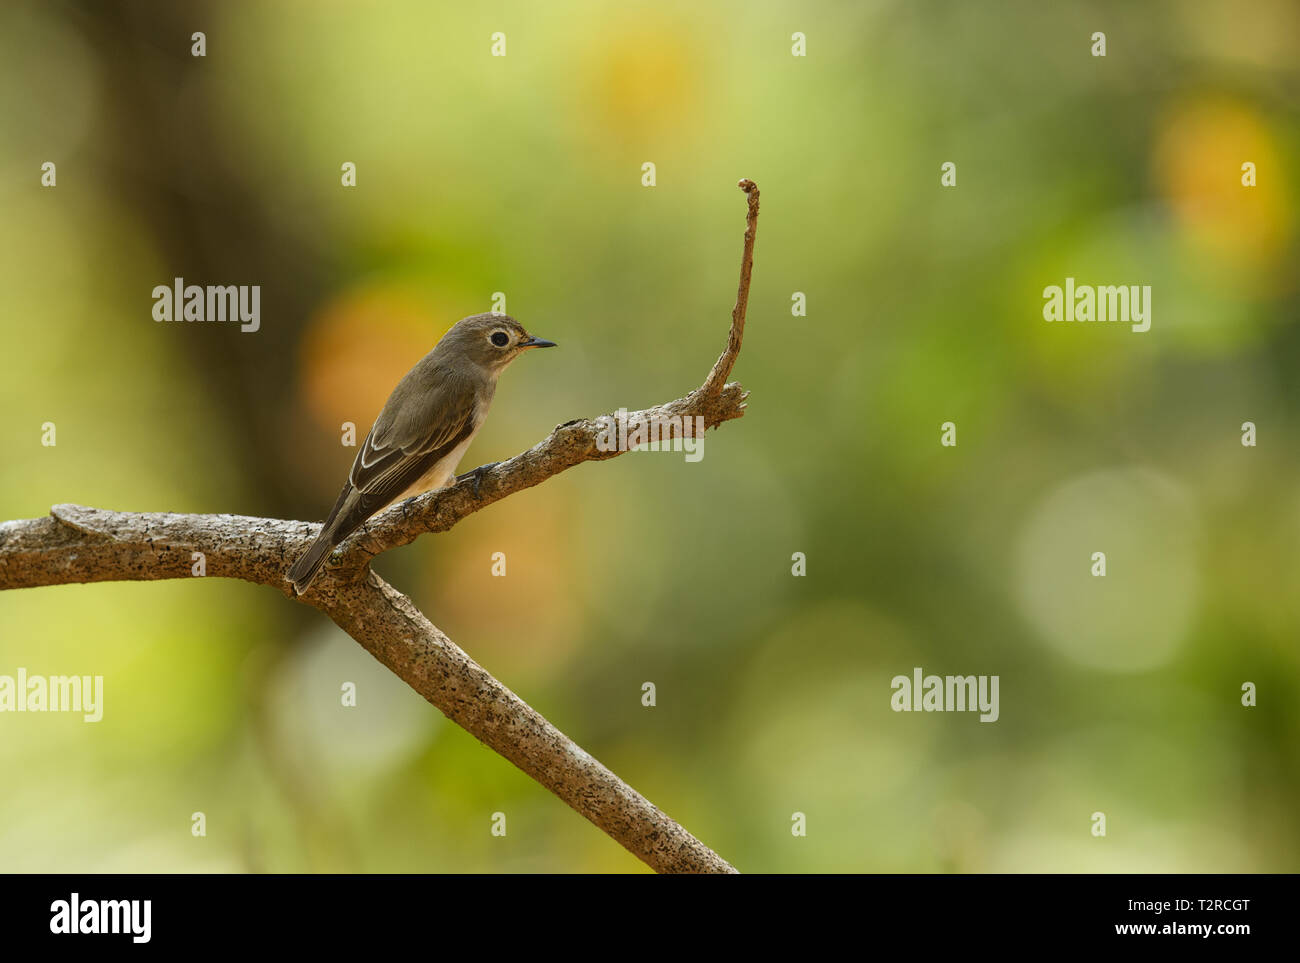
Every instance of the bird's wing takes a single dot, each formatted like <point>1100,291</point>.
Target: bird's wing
<point>397,452</point>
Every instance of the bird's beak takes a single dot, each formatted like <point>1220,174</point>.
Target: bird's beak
<point>531,342</point>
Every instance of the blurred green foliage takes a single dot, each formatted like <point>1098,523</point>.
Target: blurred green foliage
<point>522,174</point>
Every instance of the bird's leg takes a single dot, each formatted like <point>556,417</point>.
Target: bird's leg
<point>407,504</point>
<point>477,475</point>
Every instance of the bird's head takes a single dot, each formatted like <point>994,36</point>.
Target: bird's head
<point>490,341</point>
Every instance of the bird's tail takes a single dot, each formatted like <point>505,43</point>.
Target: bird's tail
<point>344,519</point>
<point>303,571</point>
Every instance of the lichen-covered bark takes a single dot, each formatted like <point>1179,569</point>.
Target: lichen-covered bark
<point>398,635</point>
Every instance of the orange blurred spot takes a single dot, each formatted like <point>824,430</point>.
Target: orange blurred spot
<point>355,350</point>
<point>528,617</point>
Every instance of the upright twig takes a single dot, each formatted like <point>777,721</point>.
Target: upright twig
<point>722,367</point>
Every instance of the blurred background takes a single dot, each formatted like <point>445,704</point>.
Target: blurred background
<point>522,174</point>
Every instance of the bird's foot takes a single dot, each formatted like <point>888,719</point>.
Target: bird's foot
<point>405,506</point>
<point>477,475</point>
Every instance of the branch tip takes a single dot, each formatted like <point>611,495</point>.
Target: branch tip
<point>717,378</point>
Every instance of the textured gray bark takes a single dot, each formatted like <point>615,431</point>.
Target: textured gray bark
<point>79,544</point>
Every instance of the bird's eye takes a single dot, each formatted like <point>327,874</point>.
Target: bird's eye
<point>500,339</point>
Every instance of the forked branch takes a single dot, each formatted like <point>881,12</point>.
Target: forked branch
<point>78,544</point>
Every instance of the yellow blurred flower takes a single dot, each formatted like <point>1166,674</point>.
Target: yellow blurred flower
<point>1197,162</point>
<point>638,83</point>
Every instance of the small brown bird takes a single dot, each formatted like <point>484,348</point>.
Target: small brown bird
<point>427,423</point>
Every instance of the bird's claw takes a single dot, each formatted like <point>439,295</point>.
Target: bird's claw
<point>477,475</point>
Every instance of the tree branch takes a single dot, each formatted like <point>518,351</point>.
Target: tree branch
<point>80,544</point>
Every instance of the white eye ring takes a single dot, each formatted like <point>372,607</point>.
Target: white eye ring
<point>499,338</point>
